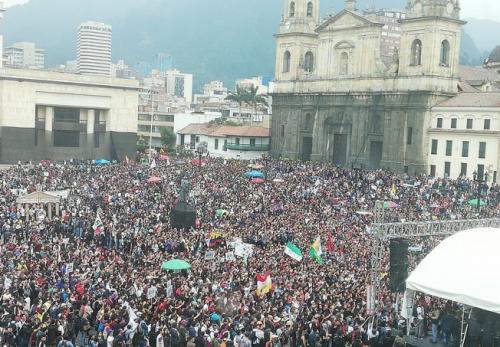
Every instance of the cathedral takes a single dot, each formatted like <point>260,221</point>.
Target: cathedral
<point>336,100</point>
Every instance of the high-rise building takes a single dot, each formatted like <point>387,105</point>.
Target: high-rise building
<point>179,84</point>
<point>24,55</point>
<point>94,48</point>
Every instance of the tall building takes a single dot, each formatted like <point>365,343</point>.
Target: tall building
<point>24,55</point>
<point>94,48</point>
<point>179,84</point>
<point>335,100</point>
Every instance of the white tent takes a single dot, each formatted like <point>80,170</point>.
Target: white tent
<point>464,268</point>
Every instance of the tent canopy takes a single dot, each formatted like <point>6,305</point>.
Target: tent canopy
<point>38,198</point>
<point>464,269</point>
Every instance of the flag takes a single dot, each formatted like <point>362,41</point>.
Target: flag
<point>97,226</point>
<point>293,251</point>
<point>329,243</point>
<point>393,189</point>
<point>126,159</point>
<point>315,250</point>
<point>153,164</point>
<point>264,283</point>
<point>215,238</point>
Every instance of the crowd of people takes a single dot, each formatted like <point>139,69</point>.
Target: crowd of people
<point>92,275</point>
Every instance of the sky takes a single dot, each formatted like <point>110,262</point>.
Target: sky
<point>480,9</point>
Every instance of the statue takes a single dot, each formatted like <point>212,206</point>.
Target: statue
<point>184,190</point>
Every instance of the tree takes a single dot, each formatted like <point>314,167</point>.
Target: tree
<point>241,96</point>
<point>168,137</point>
<point>254,99</point>
<point>247,96</point>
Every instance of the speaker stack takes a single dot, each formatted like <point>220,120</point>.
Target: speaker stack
<point>398,272</point>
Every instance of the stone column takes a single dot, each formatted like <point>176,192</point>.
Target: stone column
<point>57,209</point>
<point>49,118</point>
<point>26,209</point>
<point>49,208</point>
<point>90,121</point>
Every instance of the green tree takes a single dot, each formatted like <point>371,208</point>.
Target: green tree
<point>168,137</point>
<point>241,96</point>
<point>255,99</point>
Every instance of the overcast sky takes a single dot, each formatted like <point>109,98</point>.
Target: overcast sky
<point>482,9</point>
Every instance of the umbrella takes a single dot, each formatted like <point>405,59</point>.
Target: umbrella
<point>256,166</point>
<point>163,157</point>
<point>390,204</point>
<point>101,162</point>
<point>154,179</point>
<point>254,174</point>
<point>220,212</point>
<point>257,180</point>
<point>196,161</point>
<point>473,202</point>
<point>175,264</point>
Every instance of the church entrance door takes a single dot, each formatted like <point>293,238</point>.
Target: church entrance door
<point>375,154</point>
<point>307,146</point>
<point>340,149</point>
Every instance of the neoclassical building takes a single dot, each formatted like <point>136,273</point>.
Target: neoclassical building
<point>336,100</point>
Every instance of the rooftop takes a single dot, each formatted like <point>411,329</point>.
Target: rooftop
<point>478,99</point>
<point>224,130</point>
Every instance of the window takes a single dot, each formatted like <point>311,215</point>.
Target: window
<point>433,170</point>
<point>309,62</point>
<point>482,150</point>
<point>308,122</point>
<point>434,147</point>
<point>465,149</point>
<point>480,171</point>
<point>71,115</point>
<point>447,166</point>
<point>453,123</point>
<point>463,169</point>
<point>444,59</point>
<point>344,63</point>
<point>439,123</point>
<point>487,124</point>
<point>216,144</point>
<point>252,142</point>
<point>449,147</point>
<point>97,139</point>
<point>309,9</point>
<point>292,9</point>
<point>145,117</point>
<point>286,61</point>
<point>469,123</point>
<point>409,135</point>
<point>282,131</point>
<point>416,53</point>
<point>237,141</point>
<point>225,146</point>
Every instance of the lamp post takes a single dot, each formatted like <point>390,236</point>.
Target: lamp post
<point>199,150</point>
<point>479,181</point>
<point>151,125</point>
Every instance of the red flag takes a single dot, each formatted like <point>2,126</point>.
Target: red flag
<point>329,243</point>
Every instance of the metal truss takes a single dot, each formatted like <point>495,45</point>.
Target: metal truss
<point>386,231</point>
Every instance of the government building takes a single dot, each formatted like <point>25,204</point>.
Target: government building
<point>337,99</point>
<point>60,116</point>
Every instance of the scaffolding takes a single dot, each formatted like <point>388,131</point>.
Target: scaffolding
<point>384,232</point>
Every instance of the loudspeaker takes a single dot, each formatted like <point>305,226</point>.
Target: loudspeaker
<point>182,216</point>
<point>398,271</point>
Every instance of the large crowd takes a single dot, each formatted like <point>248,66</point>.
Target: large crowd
<point>92,275</point>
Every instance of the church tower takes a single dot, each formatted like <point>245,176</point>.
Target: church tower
<point>430,42</point>
<point>297,39</point>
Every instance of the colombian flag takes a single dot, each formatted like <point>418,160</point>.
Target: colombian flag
<point>264,283</point>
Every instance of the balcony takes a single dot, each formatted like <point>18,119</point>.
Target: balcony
<point>100,127</point>
<point>70,126</point>
<point>40,123</point>
<point>248,147</point>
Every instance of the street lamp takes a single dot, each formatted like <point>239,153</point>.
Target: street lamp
<point>199,150</point>
<point>479,181</point>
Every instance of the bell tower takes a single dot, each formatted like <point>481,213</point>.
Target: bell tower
<point>297,39</point>
<point>430,42</point>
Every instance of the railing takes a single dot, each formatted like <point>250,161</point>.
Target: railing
<point>100,126</point>
<point>70,126</point>
<point>40,123</point>
<point>248,147</point>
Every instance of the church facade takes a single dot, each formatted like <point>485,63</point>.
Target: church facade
<point>335,99</point>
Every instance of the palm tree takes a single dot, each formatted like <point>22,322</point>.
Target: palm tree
<point>240,96</point>
<point>255,99</point>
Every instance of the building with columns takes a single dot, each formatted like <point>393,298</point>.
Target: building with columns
<point>59,116</point>
<point>336,100</point>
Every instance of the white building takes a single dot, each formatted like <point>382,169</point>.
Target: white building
<point>24,55</point>
<point>232,142</point>
<point>59,116</point>
<point>94,48</point>
<point>464,136</point>
<point>179,84</point>
<point>257,81</point>
<point>213,92</point>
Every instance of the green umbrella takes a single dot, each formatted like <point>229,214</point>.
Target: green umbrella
<point>219,212</point>
<point>390,204</point>
<point>473,202</point>
<point>175,264</point>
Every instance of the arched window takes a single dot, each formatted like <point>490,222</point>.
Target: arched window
<point>308,122</point>
<point>292,9</point>
<point>416,53</point>
<point>309,62</point>
<point>344,63</point>
<point>444,59</point>
<point>286,61</point>
<point>309,9</point>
